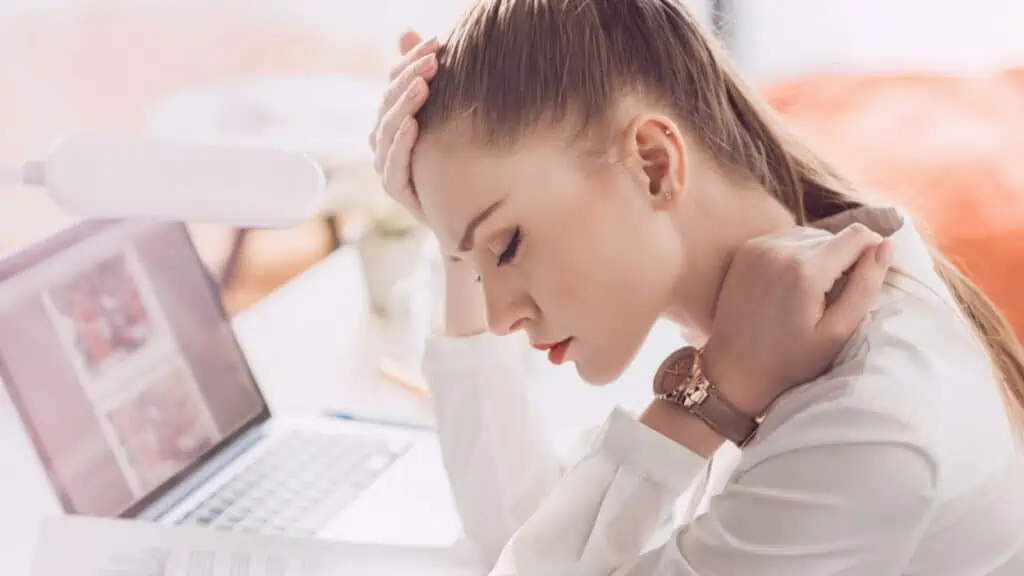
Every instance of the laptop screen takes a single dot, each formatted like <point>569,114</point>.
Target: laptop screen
<point>121,360</point>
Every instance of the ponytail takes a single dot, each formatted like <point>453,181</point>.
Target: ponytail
<point>812,191</point>
<point>995,333</point>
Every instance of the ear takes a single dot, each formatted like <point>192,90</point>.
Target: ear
<point>655,146</point>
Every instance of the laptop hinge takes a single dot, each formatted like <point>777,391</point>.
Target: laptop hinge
<point>166,503</point>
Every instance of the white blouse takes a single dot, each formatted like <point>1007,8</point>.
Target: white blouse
<point>899,460</point>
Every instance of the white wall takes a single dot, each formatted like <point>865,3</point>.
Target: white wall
<point>380,19</point>
<point>771,38</point>
<point>389,16</point>
<point>777,38</point>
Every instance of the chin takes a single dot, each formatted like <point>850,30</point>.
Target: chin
<point>602,366</point>
<point>599,373</point>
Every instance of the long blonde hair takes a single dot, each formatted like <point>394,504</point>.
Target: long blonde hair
<point>511,66</point>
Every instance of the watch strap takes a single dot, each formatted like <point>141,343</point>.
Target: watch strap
<point>681,380</point>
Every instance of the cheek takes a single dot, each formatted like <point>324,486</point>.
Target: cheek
<point>580,271</point>
<point>631,266</point>
<point>593,260</point>
<point>554,275</point>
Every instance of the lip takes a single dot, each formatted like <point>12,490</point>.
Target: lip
<point>545,346</point>
<point>556,350</point>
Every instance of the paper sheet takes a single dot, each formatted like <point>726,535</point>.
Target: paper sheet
<point>83,546</point>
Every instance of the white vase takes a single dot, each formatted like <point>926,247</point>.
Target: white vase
<point>388,259</point>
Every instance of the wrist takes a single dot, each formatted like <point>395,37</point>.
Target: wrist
<point>726,373</point>
<point>465,312</point>
<point>682,427</point>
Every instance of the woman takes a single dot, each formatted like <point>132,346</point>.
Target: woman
<point>596,165</point>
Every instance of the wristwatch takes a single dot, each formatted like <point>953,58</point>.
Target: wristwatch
<point>680,379</point>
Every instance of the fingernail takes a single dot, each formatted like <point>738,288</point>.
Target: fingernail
<point>427,64</point>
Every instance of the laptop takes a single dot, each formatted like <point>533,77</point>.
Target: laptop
<point>136,401</point>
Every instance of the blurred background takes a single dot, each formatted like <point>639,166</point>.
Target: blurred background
<point>922,100</point>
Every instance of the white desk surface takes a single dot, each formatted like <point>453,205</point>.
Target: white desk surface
<point>313,346</point>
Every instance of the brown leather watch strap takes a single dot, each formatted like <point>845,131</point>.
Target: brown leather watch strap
<point>680,379</point>
<point>726,419</point>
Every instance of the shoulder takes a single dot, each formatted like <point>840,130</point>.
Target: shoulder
<point>893,384</point>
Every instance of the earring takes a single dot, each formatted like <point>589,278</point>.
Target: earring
<point>668,194</point>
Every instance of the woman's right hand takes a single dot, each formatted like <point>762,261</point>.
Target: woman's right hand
<point>395,132</point>
<point>392,141</point>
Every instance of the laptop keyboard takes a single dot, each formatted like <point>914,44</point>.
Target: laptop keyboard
<point>299,485</point>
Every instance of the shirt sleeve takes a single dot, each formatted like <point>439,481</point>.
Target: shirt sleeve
<point>833,491</point>
<point>498,458</point>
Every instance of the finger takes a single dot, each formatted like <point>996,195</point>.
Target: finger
<point>408,40</point>
<point>421,71</point>
<point>404,97</point>
<point>425,68</point>
<point>807,243</point>
<point>858,294</point>
<point>397,165</point>
<point>422,49</point>
<point>421,60</point>
<point>843,251</point>
<point>798,240</point>
<point>410,102</point>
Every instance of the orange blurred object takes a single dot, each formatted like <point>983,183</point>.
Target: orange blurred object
<point>948,149</point>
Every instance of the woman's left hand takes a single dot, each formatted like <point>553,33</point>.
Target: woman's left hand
<point>773,328</point>
<point>779,322</point>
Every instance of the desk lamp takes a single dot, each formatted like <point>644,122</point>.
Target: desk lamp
<point>103,175</point>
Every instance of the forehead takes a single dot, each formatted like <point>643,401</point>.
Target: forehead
<point>456,177</point>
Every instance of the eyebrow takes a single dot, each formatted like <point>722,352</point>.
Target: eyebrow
<point>466,243</point>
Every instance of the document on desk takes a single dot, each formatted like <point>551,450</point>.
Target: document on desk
<point>105,547</point>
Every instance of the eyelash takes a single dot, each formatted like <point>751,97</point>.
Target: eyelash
<point>510,251</point>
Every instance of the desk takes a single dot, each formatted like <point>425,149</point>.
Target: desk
<point>314,345</point>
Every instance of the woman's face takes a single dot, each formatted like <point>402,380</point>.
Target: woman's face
<point>568,248</point>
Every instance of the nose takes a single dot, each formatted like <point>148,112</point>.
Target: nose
<point>508,309</point>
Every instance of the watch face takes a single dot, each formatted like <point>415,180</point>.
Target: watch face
<point>675,371</point>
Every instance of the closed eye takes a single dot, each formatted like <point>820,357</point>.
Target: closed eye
<point>509,253</point>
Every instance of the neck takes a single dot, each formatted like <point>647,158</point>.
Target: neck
<point>730,216</point>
